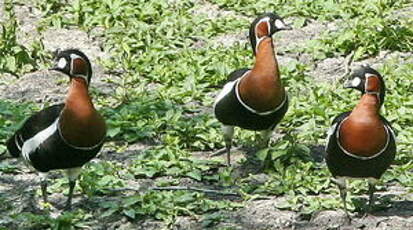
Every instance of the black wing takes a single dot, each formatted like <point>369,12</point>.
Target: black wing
<point>237,74</point>
<point>387,123</point>
<point>340,117</point>
<point>231,77</point>
<point>331,132</point>
<point>34,124</point>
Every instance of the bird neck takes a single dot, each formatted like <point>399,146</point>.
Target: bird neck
<point>78,95</point>
<point>363,132</point>
<point>81,125</point>
<point>369,105</point>
<point>265,61</point>
<point>262,89</point>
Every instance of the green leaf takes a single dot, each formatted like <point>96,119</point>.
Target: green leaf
<point>113,132</point>
<point>129,201</point>
<point>262,154</point>
<point>129,213</point>
<point>195,175</point>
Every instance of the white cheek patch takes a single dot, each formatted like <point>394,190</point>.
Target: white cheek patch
<point>62,63</point>
<point>356,82</point>
<point>279,24</point>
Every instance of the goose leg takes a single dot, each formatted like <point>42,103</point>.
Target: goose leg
<point>228,134</point>
<point>72,175</point>
<point>265,137</point>
<point>72,184</point>
<point>341,183</point>
<point>343,195</point>
<point>43,186</point>
<point>372,188</point>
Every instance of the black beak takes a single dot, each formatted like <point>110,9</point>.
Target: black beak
<point>348,84</point>
<point>287,27</point>
<point>56,68</point>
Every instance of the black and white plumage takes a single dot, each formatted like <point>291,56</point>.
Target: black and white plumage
<point>345,164</point>
<point>230,110</point>
<point>40,143</point>
<point>363,129</point>
<point>254,99</point>
<point>63,136</point>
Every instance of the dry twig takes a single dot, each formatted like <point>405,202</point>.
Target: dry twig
<point>176,188</point>
<point>347,64</point>
<point>196,190</point>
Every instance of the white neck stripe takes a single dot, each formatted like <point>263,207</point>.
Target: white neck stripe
<point>251,109</point>
<point>72,58</point>
<point>259,40</point>
<point>373,93</point>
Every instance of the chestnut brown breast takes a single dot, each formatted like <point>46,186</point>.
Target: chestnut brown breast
<point>262,89</point>
<point>80,124</point>
<point>363,132</point>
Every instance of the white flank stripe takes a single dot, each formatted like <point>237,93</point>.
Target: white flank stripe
<point>227,88</point>
<point>17,143</point>
<point>330,132</point>
<point>33,143</point>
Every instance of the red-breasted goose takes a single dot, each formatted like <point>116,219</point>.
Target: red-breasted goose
<point>361,143</point>
<point>63,136</point>
<point>254,99</point>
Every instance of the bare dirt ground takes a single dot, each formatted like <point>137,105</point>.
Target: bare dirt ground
<point>20,188</point>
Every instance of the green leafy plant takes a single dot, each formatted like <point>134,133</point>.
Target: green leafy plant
<point>166,66</point>
<point>166,160</point>
<point>12,116</point>
<point>165,205</point>
<point>366,36</point>
<point>16,58</point>
<point>99,177</point>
